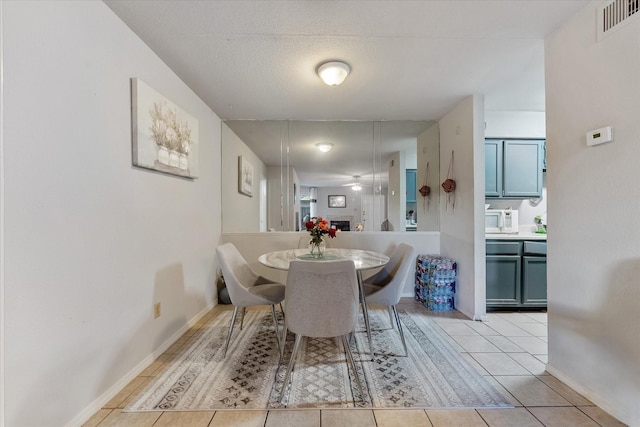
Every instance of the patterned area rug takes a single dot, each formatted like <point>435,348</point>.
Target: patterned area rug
<point>435,375</point>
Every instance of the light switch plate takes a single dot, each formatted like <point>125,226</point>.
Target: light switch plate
<point>600,136</point>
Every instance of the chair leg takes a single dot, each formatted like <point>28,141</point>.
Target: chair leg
<point>391,319</point>
<point>290,367</point>
<point>404,344</point>
<point>233,321</point>
<point>284,342</point>
<point>244,310</point>
<point>347,351</point>
<point>365,312</point>
<point>282,310</point>
<point>275,325</point>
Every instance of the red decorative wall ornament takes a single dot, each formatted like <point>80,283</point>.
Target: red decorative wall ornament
<point>449,185</point>
<point>425,190</point>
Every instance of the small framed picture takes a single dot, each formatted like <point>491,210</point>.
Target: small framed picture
<point>245,176</point>
<point>337,201</point>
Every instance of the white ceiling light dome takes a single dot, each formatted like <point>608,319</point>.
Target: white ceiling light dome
<point>324,146</point>
<point>333,73</point>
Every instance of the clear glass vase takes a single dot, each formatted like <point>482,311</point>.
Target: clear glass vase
<point>316,248</point>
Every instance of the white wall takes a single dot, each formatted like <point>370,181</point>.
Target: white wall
<point>428,209</point>
<point>275,208</point>
<point>594,206</point>
<point>397,197</point>
<point>240,213</point>
<point>294,202</point>
<point>90,243</point>
<point>462,227</point>
<point>515,124</point>
<point>281,211</point>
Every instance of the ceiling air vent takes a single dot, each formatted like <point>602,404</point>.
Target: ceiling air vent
<point>616,14</point>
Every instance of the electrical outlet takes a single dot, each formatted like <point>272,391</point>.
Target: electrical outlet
<point>156,310</point>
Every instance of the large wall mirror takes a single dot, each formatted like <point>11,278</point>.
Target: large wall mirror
<point>360,175</point>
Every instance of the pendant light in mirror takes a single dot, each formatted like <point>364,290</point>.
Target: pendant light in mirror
<point>355,186</point>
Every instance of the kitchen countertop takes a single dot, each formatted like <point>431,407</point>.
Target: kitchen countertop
<point>523,235</point>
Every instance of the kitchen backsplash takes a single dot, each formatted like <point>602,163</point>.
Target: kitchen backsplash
<point>528,209</point>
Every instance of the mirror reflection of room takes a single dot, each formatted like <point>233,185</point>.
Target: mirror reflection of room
<point>361,176</point>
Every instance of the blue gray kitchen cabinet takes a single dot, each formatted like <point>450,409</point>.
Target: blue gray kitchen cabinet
<point>516,274</point>
<point>513,168</point>
<point>493,168</point>
<point>504,272</point>
<point>411,185</point>
<point>534,274</point>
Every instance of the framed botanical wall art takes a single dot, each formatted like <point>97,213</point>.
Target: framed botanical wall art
<point>337,201</point>
<point>245,176</point>
<point>164,137</point>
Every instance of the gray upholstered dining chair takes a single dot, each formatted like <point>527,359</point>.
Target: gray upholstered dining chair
<point>303,241</point>
<point>385,287</point>
<point>246,288</point>
<point>321,302</point>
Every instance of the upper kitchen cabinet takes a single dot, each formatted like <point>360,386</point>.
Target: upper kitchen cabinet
<point>493,168</point>
<point>411,185</point>
<point>513,168</point>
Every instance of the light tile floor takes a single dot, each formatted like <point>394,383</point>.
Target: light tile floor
<point>510,349</point>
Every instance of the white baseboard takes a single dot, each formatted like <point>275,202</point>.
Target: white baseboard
<point>105,397</point>
<point>593,396</point>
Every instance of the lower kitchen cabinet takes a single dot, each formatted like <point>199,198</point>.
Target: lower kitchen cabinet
<point>534,276</point>
<point>504,280</point>
<point>516,274</point>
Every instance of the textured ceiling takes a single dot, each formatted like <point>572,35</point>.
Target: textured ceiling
<point>410,60</point>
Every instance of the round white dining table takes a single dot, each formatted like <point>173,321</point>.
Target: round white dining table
<point>363,260</point>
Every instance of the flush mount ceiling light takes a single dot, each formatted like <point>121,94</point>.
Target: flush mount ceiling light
<point>333,73</point>
<point>324,146</point>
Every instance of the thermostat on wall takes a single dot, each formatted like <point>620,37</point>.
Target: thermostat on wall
<point>600,136</point>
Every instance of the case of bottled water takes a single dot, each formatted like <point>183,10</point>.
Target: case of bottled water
<point>436,282</point>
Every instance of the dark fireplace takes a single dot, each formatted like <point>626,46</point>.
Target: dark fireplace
<point>340,225</point>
